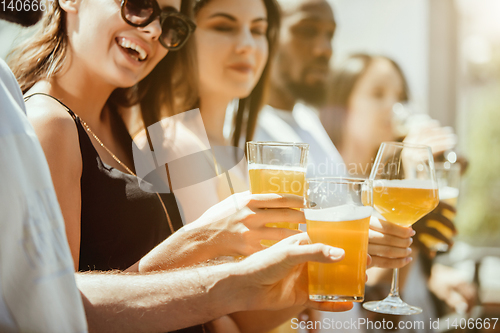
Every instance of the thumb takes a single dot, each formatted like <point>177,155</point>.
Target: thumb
<point>313,252</point>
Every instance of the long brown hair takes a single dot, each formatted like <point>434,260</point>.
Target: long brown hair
<point>249,107</point>
<point>168,88</point>
<point>340,89</point>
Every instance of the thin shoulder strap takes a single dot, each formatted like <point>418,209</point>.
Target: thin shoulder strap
<point>64,105</point>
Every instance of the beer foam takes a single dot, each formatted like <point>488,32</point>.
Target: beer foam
<point>339,213</point>
<point>254,166</point>
<point>406,183</point>
<point>448,193</point>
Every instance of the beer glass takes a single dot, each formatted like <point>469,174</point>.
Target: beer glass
<point>277,167</point>
<point>448,178</point>
<point>404,190</point>
<point>338,214</point>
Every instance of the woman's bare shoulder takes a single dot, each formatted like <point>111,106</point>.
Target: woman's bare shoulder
<point>56,130</point>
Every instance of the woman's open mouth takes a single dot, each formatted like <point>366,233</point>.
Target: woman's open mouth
<point>135,51</point>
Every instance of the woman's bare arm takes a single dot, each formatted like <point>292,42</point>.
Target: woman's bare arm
<point>58,136</point>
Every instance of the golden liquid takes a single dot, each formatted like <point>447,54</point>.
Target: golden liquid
<point>432,242</point>
<point>277,181</point>
<point>404,205</point>
<point>347,277</point>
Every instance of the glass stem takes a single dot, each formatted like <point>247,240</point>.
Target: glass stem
<point>395,283</point>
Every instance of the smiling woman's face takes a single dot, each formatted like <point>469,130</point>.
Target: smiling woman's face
<point>232,46</point>
<point>106,47</point>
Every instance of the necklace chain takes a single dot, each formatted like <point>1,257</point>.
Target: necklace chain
<point>106,148</point>
<point>87,128</point>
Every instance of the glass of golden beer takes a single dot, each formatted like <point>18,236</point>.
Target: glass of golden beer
<point>448,178</point>
<point>277,167</point>
<point>405,189</point>
<point>338,214</point>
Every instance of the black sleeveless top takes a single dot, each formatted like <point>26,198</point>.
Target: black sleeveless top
<point>120,222</point>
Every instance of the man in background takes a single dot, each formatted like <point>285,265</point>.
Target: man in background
<point>298,80</point>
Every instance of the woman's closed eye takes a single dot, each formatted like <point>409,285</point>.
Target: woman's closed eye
<point>259,31</point>
<point>259,27</point>
<point>224,28</point>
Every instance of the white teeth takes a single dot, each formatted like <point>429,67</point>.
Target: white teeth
<point>131,45</point>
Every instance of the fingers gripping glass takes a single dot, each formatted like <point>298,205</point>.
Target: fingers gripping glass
<point>175,27</point>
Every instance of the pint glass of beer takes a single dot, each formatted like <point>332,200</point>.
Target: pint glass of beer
<point>448,178</point>
<point>338,214</point>
<point>277,167</point>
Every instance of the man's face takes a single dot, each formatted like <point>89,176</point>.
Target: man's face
<point>305,48</point>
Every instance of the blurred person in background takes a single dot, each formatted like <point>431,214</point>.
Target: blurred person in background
<point>298,81</point>
<point>359,117</point>
<point>235,40</point>
<point>359,112</point>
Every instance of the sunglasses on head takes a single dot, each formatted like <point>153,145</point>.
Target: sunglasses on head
<point>175,27</point>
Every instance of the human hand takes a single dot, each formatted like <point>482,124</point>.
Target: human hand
<point>434,229</point>
<point>234,226</point>
<point>432,134</point>
<point>276,278</point>
<point>453,289</point>
<point>237,225</point>
<point>389,244</point>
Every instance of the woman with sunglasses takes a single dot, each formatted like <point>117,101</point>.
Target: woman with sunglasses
<point>73,83</point>
<point>76,71</point>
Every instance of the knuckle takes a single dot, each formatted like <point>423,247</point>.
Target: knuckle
<point>283,233</point>
<point>251,201</point>
<point>249,217</point>
<point>285,215</point>
<point>407,242</point>
<point>282,199</point>
<point>400,253</point>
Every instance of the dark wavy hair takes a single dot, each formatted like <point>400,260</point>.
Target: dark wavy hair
<point>249,107</point>
<point>168,88</point>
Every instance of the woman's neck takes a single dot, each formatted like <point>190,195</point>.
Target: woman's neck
<point>213,112</point>
<point>84,93</point>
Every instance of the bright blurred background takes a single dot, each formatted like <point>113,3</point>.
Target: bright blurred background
<point>450,52</point>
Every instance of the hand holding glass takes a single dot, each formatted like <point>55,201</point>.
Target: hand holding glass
<point>277,167</point>
<point>404,190</point>
<point>338,214</point>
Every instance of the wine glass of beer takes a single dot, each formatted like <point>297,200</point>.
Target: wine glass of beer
<point>404,190</point>
<point>277,167</point>
<point>448,178</point>
<point>338,214</point>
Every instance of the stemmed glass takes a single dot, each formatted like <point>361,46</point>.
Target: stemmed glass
<point>404,190</point>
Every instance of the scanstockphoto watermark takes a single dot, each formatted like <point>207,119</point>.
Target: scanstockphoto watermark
<point>366,324</point>
<point>355,324</point>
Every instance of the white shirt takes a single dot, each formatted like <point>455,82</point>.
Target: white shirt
<point>302,125</point>
<point>38,292</point>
